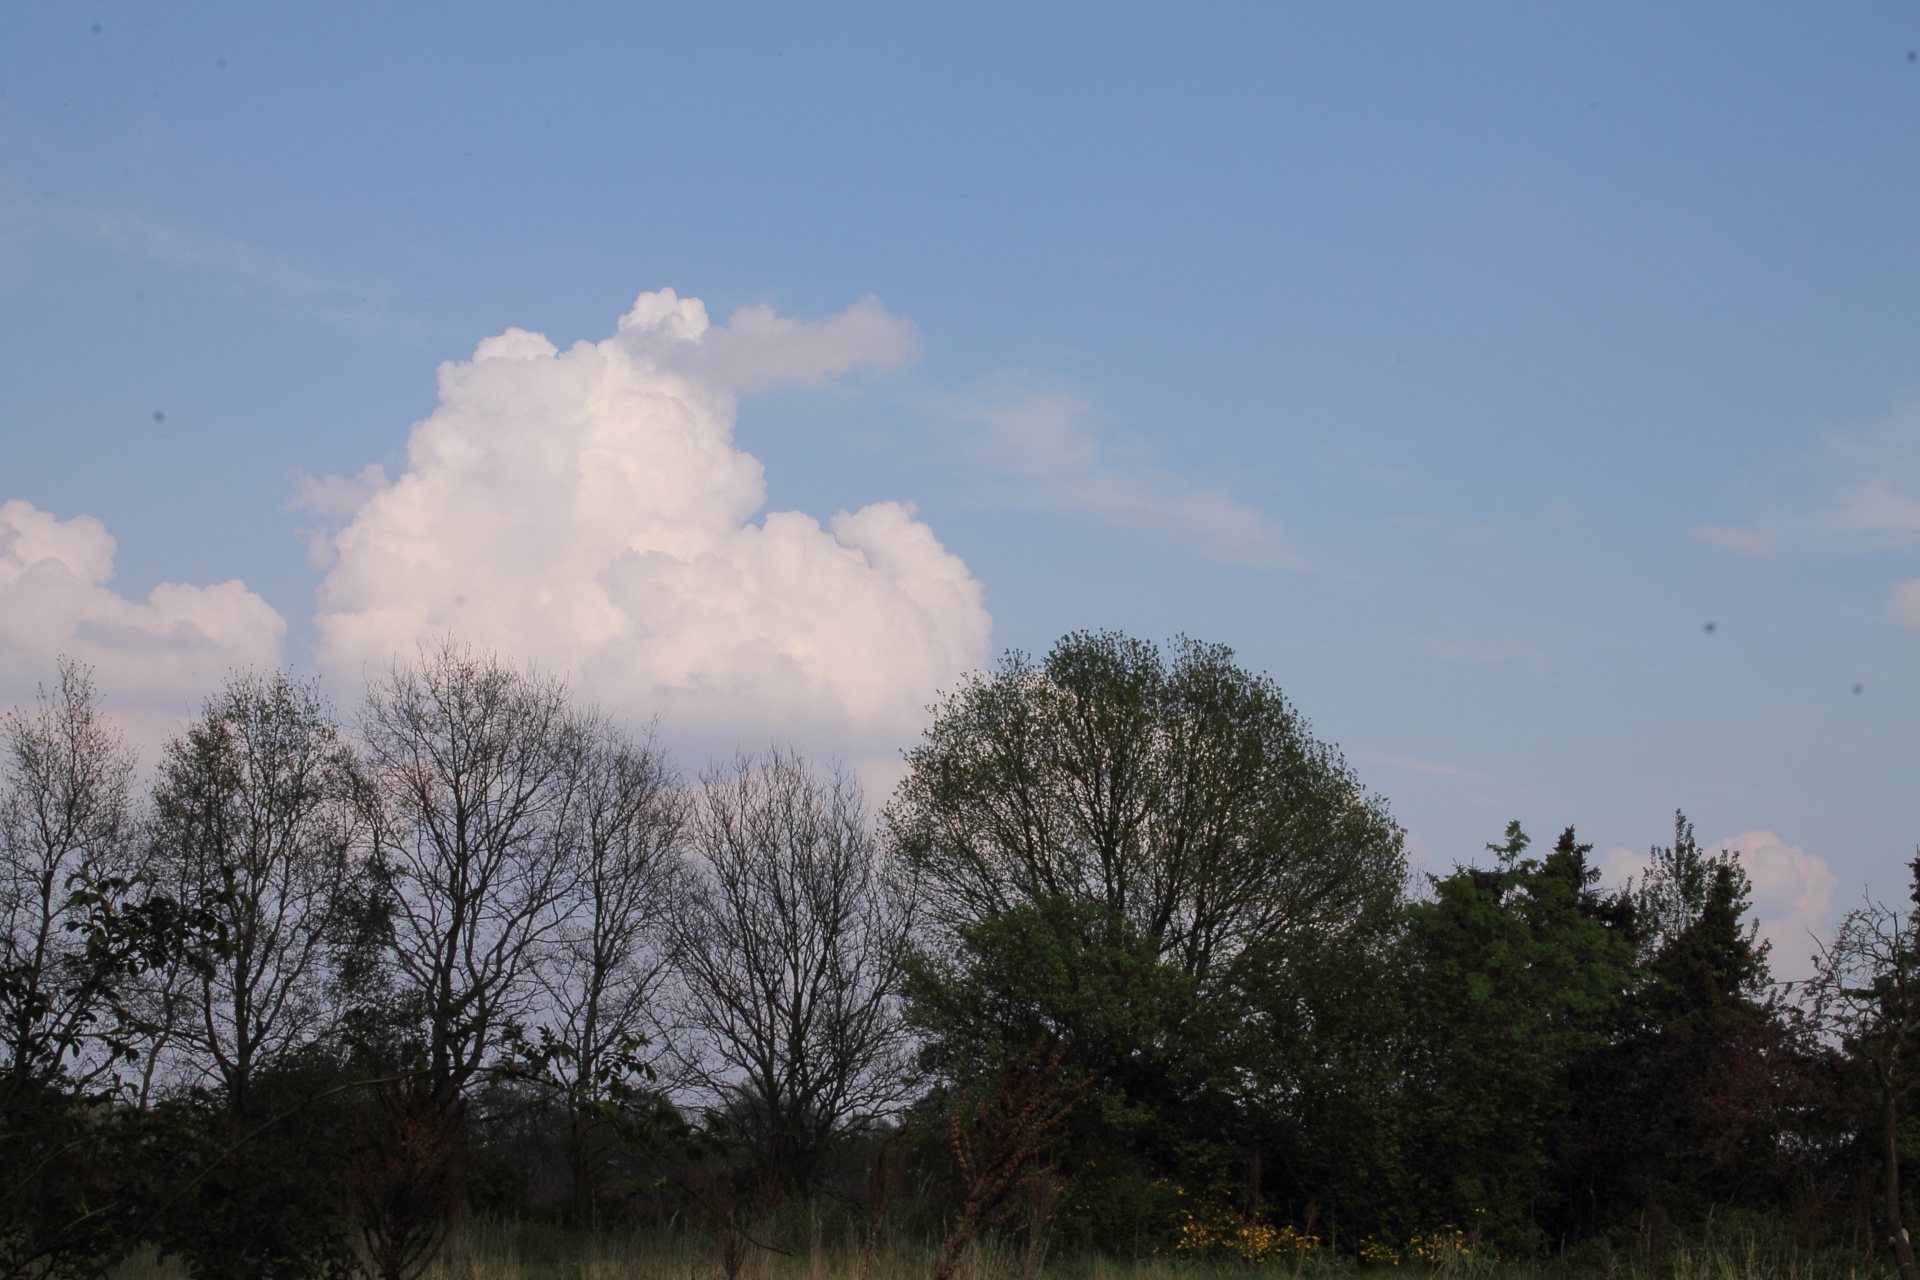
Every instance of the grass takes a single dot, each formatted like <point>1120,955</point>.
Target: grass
<point>527,1251</point>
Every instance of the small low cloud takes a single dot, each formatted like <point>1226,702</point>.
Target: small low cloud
<point>758,349</point>
<point>154,659</point>
<point>1877,507</point>
<point>1734,538</point>
<point>1051,460</point>
<point>1792,898</point>
<point>1903,604</point>
<point>1792,895</point>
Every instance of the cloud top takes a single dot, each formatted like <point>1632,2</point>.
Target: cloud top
<point>589,509</point>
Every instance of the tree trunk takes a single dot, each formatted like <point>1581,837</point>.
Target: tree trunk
<point>1890,1124</point>
<point>580,1157</point>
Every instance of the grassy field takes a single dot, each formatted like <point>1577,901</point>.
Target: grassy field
<point>484,1251</point>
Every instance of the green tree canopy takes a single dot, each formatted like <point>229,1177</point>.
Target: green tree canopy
<point>1515,973</point>
<point>1178,790</point>
<point>1147,853</point>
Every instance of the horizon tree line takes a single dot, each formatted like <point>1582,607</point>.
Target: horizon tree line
<point>1125,928</point>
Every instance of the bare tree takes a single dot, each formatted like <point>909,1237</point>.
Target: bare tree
<point>789,951</point>
<point>255,818</point>
<point>470,766</point>
<point>1867,987</point>
<point>65,817</point>
<point>627,821</point>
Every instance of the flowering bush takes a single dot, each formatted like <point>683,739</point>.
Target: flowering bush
<point>1447,1245</point>
<point>1379,1253</point>
<point>1210,1227</point>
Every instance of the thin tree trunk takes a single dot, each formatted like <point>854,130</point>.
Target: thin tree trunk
<point>1890,1125</point>
<point>580,1156</point>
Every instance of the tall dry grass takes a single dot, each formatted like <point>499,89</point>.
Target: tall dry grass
<point>491,1251</point>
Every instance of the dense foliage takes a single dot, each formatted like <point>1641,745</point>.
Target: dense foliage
<point>1130,960</point>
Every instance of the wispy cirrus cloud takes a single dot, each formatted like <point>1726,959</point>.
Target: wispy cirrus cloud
<point>1865,496</point>
<point>1047,456</point>
<point>1879,503</point>
<point>1881,509</point>
<point>1486,785</point>
<point>1866,500</point>
<point>342,301</point>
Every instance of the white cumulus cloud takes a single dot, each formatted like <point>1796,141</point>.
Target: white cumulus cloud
<point>154,659</point>
<point>588,509</point>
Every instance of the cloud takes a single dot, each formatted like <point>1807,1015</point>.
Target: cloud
<point>588,509</point>
<point>1745,542</point>
<point>1877,507</point>
<point>1867,502</point>
<point>1042,443</point>
<point>1792,897</point>
<point>352,303</point>
<point>1485,785</point>
<point>1621,864</point>
<point>1903,603</point>
<point>1880,506</point>
<point>334,499</point>
<point>154,659</point>
<point>1792,894</point>
<point>759,349</point>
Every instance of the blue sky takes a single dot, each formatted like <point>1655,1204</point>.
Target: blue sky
<point>1457,365</point>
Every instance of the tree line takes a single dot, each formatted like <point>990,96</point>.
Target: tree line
<point>1128,962</point>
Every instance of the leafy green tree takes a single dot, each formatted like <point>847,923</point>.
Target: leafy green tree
<point>1186,796</point>
<point>1059,971</point>
<point>1514,974</point>
<point>1867,990</point>
<point>1684,1107</point>
<point>1149,853</point>
<point>1327,1079</point>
